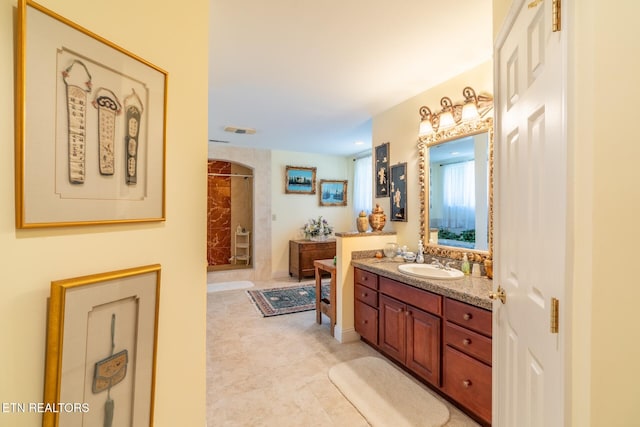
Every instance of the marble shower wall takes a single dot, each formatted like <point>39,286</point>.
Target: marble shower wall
<point>219,214</point>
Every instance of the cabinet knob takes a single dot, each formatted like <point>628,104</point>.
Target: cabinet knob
<point>466,341</point>
<point>364,294</point>
<point>467,316</point>
<point>364,322</point>
<point>466,383</point>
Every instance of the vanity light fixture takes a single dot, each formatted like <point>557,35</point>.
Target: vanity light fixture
<point>472,108</point>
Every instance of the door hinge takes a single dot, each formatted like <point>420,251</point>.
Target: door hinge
<point>556,15</point>
<point>555,313</point>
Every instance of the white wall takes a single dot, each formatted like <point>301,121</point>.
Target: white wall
<point>31,259</point>
<point>399,126</point>
<point>292,211</point>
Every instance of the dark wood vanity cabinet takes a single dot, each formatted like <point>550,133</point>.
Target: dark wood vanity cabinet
<point>366,305</point>
<point>445,342</point>
<point>409,334</point>
<point>467,357</point>
<point>302,253</point>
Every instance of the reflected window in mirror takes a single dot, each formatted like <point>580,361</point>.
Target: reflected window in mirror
<point>458,193</point>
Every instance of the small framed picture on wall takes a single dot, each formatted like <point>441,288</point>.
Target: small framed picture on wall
<point>398,191</point>
<point>382,170</point>
<point>333,192</point>
<point>300,180</point>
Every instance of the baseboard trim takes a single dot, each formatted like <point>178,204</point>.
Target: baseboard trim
<point>346,335</point>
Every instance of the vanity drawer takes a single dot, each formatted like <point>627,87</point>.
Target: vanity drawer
<point>468,342</point>
<point>468,381</point>
<point>418,298</point>
<point>366,295</point>
<point>366,278</point>
<point>468,316</point>
<point>366,322</point>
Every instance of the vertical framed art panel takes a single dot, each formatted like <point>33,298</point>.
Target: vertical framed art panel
<point>381,162</point>
<point>398,192</point>
<point>90,127</point>
<point>101,349</point>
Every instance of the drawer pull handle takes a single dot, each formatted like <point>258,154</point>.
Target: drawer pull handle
<point>364,295</point>
<point>467,316</point>
<point>466,383</point>
<point>466,341</point>
<point>364,322</point>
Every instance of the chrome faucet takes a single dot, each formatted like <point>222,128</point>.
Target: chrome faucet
<point>437,264</point>
<point>448,265</point>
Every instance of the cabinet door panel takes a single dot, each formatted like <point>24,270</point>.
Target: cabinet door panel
<point>423,344</point>
<point>366,322</point>
<point>392,328</point>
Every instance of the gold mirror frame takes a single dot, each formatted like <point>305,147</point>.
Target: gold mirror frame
<point>458,131</point>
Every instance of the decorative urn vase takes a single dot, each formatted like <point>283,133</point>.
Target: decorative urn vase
<point>377,218</point>
<point>362,222</point>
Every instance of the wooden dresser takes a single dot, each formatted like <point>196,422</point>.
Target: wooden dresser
<point>302,253</point>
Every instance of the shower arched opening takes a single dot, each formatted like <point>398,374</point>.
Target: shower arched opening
<point>229,216</point>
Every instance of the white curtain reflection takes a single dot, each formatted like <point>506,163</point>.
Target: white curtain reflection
<point>459,199</point>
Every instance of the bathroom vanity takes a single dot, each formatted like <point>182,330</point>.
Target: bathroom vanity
<point>438,331</point>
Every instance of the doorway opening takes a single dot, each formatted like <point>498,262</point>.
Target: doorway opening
<point>229,216</point>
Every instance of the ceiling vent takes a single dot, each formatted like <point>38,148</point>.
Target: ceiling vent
<point>233,129</point>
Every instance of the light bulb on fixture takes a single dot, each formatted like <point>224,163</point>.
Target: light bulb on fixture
<point>446,115</point>
<point>470,107</point>
<point>426,127</point>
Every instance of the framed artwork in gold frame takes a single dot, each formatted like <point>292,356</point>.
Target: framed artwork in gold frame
<point>333,192</point>
<point>101,349</point>
<point>90,127</point>
<point>300,180</point>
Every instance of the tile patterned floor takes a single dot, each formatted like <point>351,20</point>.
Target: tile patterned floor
<point>273,371</point>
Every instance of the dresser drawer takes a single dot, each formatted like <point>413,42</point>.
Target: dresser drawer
<point>419,298</point>
<point>366,322</point>
<point>468,382</point>
<point>366,278</point>
<point>468,316</point>
<point>366,295</point>
<point>468,342</point>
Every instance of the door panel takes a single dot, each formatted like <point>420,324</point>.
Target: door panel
<point>530,217</point>
<point>423,344</point>
<point>392,328</point>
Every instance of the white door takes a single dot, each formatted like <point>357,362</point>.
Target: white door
<point>530,217</point>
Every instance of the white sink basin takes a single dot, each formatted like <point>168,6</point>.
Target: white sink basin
<point>428,271</point>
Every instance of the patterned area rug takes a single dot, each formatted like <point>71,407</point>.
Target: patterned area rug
<point>286,300</point>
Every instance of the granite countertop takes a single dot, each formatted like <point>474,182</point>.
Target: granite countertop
<point>472,290</point>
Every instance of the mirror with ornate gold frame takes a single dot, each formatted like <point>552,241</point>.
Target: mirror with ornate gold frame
<point>448,140</point>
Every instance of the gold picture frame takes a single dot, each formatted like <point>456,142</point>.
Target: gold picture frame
<point>333,192</point>
<point>90,127</point>
<point>300,180</point>
<point>101,349</point>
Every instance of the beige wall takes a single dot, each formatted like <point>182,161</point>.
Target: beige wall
<point>31,259</point>
<point>399,126</point>
<point>604,93</point>
<point>292,211</point>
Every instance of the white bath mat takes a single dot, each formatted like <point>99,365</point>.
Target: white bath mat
<point>229,286</point>
<point>386,396</point>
